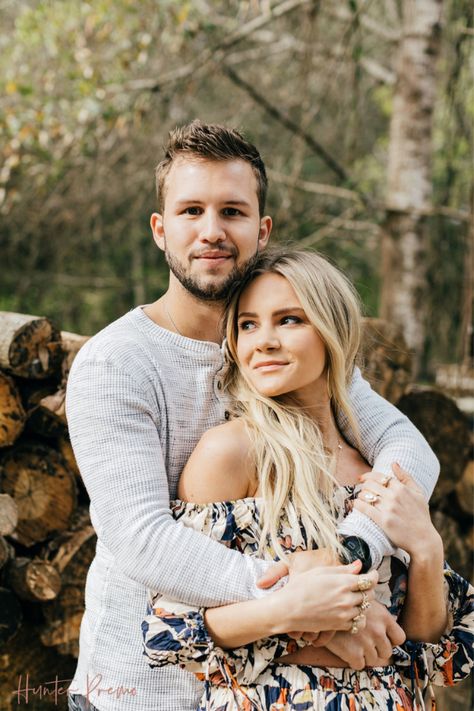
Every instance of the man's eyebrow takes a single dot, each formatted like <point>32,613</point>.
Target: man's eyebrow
<point>286,310</point>
<point>195,201</point>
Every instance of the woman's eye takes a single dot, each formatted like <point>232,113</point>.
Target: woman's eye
<point>246,325</point>
<point>290,319</point>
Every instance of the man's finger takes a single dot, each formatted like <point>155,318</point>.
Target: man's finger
<point>273,575</point>
<point>395,633</point>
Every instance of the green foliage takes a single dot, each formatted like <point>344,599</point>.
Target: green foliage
<point>89,91</point>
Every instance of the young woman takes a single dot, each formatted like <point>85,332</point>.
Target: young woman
<point>277,479</point>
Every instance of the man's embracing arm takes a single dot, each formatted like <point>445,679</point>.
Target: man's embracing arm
<point>386,436</point>
<point>113,428</point>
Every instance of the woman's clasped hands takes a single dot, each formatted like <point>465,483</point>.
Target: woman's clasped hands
<point>324,598</point>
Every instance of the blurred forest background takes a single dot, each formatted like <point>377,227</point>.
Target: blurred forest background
<point>362,110</point>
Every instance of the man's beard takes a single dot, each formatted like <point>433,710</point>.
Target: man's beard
<point>209,292</point>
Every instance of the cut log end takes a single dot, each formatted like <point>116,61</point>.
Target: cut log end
<point>30,347</point>
<point>12,414</point>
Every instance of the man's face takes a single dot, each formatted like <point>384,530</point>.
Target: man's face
<point>210,229</point>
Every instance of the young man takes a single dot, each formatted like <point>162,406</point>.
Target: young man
<point>140,395</point>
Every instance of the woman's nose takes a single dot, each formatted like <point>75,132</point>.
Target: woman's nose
<point>268,340</point>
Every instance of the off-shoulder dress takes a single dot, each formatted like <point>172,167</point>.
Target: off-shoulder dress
<point>250,678</point>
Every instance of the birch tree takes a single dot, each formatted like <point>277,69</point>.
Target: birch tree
<point>409,183</point>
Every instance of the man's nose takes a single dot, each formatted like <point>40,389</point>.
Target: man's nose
<point>212,229</point>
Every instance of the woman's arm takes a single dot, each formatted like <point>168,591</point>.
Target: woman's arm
<point>386,436</point>
<point>401,510</point>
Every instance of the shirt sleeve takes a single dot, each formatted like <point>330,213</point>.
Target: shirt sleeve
<point>113,427</point>
<point>386,436</point>
<point>452,658</point>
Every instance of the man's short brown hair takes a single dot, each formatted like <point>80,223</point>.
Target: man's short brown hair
<point>210,142</point>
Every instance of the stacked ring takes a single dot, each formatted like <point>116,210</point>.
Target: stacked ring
<point>365,604</point>
<point>354,626</point>
<point>385,480</point>
<point>371,498</point>
<point>363,584</point>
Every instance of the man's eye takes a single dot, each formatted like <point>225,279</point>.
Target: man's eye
<point>290,319</point>
<point>246,325</point>
<point>231,211</point>
<point>193,210</point>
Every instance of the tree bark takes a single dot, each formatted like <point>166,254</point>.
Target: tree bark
<point>409,192</point>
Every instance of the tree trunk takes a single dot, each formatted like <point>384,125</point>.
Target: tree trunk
<point>409,191</point>
<point>12,415</point>
<point>44,489</point>
<point>30,346</point>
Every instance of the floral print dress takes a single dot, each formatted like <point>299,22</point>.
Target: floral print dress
<point>250,679</point>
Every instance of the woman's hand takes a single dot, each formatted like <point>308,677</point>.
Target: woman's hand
<point>399,507</point>
<point>323,599</point>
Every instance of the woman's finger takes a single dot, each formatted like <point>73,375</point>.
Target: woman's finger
<point>404,477</point>
<point>369,510</point>
<point>373,488</point>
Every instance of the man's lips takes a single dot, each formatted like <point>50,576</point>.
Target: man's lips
<point>214,256</point>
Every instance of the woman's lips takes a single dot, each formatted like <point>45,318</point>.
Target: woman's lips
<point>270,366</point>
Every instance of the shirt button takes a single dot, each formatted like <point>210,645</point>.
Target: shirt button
<point>227,414</point>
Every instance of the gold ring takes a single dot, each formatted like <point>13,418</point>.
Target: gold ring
<point>371,498</point>
<point>386,479</point>
<point>364,584</point>
<point>365,604</point>
<point>357,618</point>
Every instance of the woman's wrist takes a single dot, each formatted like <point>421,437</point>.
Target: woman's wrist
<point>427,550</point>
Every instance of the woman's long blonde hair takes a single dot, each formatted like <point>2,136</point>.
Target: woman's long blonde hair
<point>292,462</point>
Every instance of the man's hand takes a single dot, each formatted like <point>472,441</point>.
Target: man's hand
<point>372,646</point>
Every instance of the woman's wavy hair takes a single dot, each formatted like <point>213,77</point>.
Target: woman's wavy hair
<point>295,468</point>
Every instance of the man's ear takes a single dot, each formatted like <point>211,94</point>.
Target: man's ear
<point>156,224</point>
<point>265,230</point>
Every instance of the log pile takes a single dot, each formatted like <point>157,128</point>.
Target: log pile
<point>46,538</point>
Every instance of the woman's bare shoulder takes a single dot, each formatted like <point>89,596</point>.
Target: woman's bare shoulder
<point>221,467</point>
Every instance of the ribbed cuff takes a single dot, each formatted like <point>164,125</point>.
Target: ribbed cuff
<point>358,524</point>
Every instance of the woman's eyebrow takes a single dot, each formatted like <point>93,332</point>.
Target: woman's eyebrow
<point>286,310</point>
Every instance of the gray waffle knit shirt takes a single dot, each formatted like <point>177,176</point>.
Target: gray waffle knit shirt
<point>138,400</point>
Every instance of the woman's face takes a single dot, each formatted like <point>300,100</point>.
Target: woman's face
<point>278,349</point>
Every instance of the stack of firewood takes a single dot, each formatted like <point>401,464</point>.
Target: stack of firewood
<point>46,539</point>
